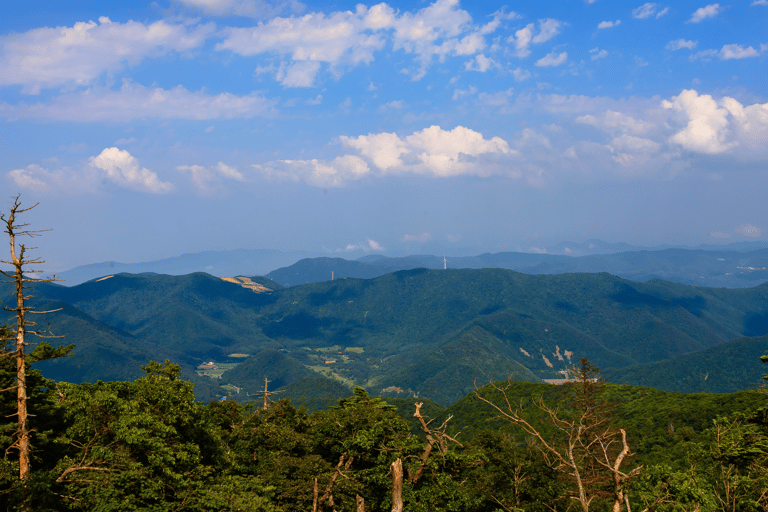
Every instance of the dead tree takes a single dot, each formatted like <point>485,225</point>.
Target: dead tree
<point>435,438</point>
<point>266,393</point>
<point>20,263</point>
<point>585,441</point>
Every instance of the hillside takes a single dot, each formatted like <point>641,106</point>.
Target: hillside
<point>423,332</point>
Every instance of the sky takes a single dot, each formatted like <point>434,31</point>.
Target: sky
<point>146,130</point>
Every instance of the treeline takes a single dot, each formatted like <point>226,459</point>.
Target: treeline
<point>149,445</point>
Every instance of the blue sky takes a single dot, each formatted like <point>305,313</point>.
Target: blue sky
<point>147,130</point>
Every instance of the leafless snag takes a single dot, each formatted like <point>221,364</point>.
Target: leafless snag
<point>266,393</point>
<point>584,440</point>
<point>20,262</point>
<point>435,437</point>
<point>397,485</point>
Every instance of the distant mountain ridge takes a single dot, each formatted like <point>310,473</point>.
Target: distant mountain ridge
<point>696,267</point>
<point>250,262</point>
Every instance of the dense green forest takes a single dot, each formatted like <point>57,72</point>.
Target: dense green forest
<point>428,333</point>
<point>147,444</point>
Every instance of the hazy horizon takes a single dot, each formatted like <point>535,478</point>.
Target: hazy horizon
<point>147,130</point>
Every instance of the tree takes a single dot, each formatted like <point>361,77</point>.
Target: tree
<point>585,449</point>
<point>20,263</point>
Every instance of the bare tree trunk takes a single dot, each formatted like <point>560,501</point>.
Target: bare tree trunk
<point>314,500</point>
<point>397,486</point>
<point>360,504</point>
<point>18,261</point>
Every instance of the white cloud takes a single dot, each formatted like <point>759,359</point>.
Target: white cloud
<point>460,93</point>
<point>759,2</point>
<point>208,180</point>
<point>351,38</point>
<point>424,237</point>
<point>612,122</point>
<point>718,128</point>
<point>631,144</point>
<point>133,101</point>
<point>548,28</point>
<point>497,99</point>
<point>34,177</point>
<point>78,55</point>
<point>608,24</point>
<point>317,100</point>
<point>679,44</point>
<point>649,9</point>
<point>521,74</point>
<point>336,173</point>
<point>597,53</point>
<point>481,63</point>
<point>727,52</point>
<point>370,245</point>
<point>249,8</point>
<point>298,74</point>
<point>430,152</point>
<point>522,40</point>
<point>434,151</point>
<point>552,60</point>
<point>125,170</point>
<point>383,150</point>
<point>703,13</point>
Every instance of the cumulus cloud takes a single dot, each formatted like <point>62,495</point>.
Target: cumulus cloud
<point>124,170</point>
<point>208,180</point>
<point>37,178</point>
<point>481,63</point>
<point>714,128</point>
<point>133,101</point>
<point>350,38</point>
<point>521,74</point>
<point>649,9</point>
<point>248,8</point>
<point>522,38</point>
<point>552,59</point>
<point>608,24</point>
<point>759,2</point>
<point>679,44</point>
<point>703,13</point>
<point>298,74</point>
<point>727,52</point>
<point>430,152</point>
<point>78,55</point>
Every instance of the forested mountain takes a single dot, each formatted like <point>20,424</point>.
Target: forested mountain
<point>697,267</point>
<point>430,333</point>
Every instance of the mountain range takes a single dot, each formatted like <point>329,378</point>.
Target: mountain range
<point>694,265</point>
<point>422,332</point>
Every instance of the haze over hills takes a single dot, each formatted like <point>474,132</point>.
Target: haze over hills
<point>251,262</point>
<point>424,332</point>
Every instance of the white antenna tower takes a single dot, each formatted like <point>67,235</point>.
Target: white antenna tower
<point>445,263</point>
